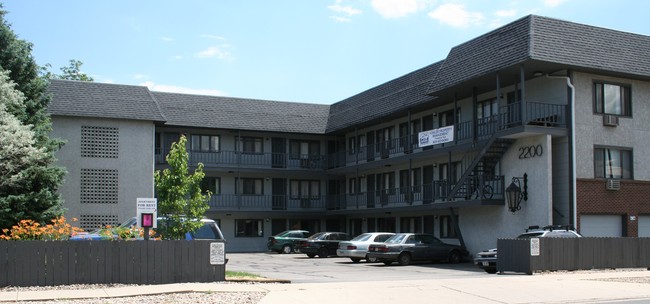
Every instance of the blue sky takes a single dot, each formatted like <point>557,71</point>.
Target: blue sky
<point>314,51</point>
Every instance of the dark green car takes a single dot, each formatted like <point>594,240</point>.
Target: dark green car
<point>283,242</point>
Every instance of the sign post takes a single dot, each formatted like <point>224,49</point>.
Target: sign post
<point>147,214</point>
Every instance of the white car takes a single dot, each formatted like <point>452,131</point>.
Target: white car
<point>357,248</point>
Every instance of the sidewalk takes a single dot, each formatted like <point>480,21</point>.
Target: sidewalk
<point>562,287</point>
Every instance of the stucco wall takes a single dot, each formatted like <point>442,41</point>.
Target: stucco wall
<point>134,164</point>
<point>481,226</point>
<point>632,132</point>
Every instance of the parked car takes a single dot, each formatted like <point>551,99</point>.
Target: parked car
<point>209,231</point>
<point>357,248</point>
<point>406,247</point>
<point>322,244</point>
<point>487,260</point>
<point>284,242</point>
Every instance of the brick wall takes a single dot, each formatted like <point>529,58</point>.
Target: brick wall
<point>633,199</point>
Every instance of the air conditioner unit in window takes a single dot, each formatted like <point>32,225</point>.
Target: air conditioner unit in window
<point>610,120</point>
<point>613,184</point>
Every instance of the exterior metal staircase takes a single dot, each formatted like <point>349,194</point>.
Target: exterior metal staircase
<point>481,169</point>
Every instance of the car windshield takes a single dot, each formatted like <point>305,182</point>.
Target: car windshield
<point>530,235</point>
<point>317,236</point>
<point>362,237</point>
<point>396,239</point>
<point>283,233</point>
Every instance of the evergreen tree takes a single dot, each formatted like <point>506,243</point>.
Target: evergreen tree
<point>180,199</point>
<point>35,196</point>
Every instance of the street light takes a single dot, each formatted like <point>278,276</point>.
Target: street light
<point>514,193</point>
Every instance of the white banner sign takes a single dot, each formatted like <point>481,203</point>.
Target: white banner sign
<point>436,136</point>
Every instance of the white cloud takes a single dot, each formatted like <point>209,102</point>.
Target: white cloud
<point>175,89</point>
<point>506,13</point>
<point>140,76</point>
<point>340,19</point>
<point>456,15</point>
<point>166,39</point>
<point>219,51</point>
<point>553,3</point>
<point>345,10</point>
<point>177,57</point>
<point>397,8</point>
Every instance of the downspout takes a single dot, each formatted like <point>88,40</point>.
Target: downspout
<point>574,203</point>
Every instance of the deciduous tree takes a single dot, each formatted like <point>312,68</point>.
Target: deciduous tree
<point>180,199</point>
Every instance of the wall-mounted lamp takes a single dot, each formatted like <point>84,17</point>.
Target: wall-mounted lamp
<point>435,114</point>
<point>514,193</point>
<point>538,73</point>
<point>268,178</point>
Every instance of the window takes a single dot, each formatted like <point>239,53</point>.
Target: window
<point>305,189</point>
<point>250,145</point>
<point>352,145</point>
<point>486,109</point>
<point>384,139</point>
<point>205,143</point>
<point>250,186</point>
<point>212,184</point>
<point>613,163</point>
<point>304,149</point>
<point>447,229</point>
<point>386,182</point>
<point>352,187</point>
<point>249,228</point>
<point>612,99</point>
<point>447,118</point>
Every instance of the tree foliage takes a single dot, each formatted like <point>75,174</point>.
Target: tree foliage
<point>180,199</point>
<point>70,72</point>
<point>32,191</point>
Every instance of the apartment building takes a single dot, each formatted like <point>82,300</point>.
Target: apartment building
<point>552,109</point>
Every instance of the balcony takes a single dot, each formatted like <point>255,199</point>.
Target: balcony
<point>237,159</point>
<point>490,192</point>
<point>510,116</point>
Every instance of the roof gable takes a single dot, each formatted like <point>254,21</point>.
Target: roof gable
<point>102,100</point>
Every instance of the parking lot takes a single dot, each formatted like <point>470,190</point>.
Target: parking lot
<point>298,268</point>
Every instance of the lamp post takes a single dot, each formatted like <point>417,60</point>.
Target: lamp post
<point>514,193</point>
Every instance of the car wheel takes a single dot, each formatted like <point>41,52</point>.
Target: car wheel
<point>322,253</point>
<point>404,259</point>
<point>491,270</point>
<point>387,263</point>
<point>311,255</point>
<point>371,260</point>
<point>286,249</point>
<point>356,260</point>
<point>454,257</point>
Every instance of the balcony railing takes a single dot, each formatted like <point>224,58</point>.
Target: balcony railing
<point>540,114</point>
<point>436,192</point>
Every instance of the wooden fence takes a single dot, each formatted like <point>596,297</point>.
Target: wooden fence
<point>530,255</point>
<point>44,263</point>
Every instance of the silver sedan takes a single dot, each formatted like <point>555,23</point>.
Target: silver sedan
<point>357,248</point>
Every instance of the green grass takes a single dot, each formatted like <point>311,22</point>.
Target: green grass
<point>240,274</point>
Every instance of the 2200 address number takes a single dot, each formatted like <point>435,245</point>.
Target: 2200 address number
<point>531,151</point>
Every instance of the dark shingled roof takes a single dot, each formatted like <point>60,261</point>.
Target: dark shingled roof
<point>530,39</point>
<point>589,47</point>
<point>242,114</point>
<point>398,94</point>
<point>94,99</point>
<point>543,39</point>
